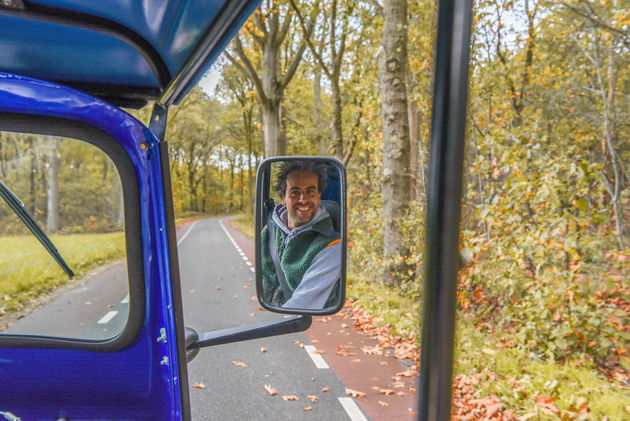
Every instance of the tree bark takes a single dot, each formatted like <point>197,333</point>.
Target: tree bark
<point>392,67</point>
<point>52,214</point>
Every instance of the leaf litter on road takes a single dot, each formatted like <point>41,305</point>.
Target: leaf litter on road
<point>271,390</point>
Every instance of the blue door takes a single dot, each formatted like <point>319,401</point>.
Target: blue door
<point>87,352</point>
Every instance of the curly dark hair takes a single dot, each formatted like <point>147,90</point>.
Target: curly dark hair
<point>317,167</point>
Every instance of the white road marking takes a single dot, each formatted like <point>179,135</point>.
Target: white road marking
<point>187,232</point>
<point>126,299</point>
<point>107,317</point>
<point>352,409</point>
<point>252,269</point>
<point>248,263</point>
<point>317,359</point>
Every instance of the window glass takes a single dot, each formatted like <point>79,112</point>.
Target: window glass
<point>71,190</point>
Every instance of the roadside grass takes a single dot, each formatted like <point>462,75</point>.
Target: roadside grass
<point>27,270</point>
<point>245,224</point>
<point>577,387</point>
<point>393,309</point>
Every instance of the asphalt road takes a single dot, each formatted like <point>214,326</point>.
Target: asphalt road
<point>218,288</point>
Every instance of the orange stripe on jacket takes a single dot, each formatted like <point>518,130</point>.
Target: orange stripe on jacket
<point>334,242</point>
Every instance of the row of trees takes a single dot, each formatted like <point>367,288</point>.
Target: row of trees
<point>66,185</point>
<point>546,210</point>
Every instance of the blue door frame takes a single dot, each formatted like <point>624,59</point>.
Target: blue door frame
<point>138,376</point>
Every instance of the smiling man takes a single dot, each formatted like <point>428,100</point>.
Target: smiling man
<point>301,251</point>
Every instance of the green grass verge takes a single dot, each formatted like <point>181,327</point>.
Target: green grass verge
<point>245,224</point>
<point>517,379</point>
<point>27,270</point>
<point>508,373</point>
<point>392,308</point>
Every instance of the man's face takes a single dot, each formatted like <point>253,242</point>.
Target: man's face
<point>302,197</point>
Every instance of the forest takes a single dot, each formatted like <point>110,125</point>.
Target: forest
<point>545,231</point>
<point>546,212</point>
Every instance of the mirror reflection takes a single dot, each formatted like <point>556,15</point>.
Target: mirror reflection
<point>301,242</point>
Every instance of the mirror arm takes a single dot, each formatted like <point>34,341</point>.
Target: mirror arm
<point>244,333</point>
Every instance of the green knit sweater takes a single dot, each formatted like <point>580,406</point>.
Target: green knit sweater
<point>295,259</point>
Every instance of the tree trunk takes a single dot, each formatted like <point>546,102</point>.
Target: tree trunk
<point>392,68</point>
<point>52,215</point>
<point>337,135</point>
<point>275,139</point>
<point>320,141</point>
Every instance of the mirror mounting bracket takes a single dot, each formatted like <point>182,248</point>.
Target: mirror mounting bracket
<point>275,327</point>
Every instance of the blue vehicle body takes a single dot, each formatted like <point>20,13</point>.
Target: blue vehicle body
<point>142,378</point>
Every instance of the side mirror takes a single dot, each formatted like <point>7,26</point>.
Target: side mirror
<point>301,234</point>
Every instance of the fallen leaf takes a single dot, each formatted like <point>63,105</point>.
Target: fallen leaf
<point>325,389</point>
<point>199,385</point>
<point>254,298</point>
<point>239,364</point>
<point>247,286</point>
<point>317,351</point>
<point>290,398</point>
<point>252,314</point>
<point>401,394</point>
<point>218,288</point>
<point>308,408</point>
<point>263,349</point>
<point>356,360</point>
<point>344,325</point>
<point>382,362</point>
<point>355,393</point>
<point>234,296</point>
<point>313,398</point>
<point>372,350</point>
<point>546,404</point>
<point>387,392</point>
<point>271,390</point>
<point>315,341</point>
<point>381,403</point>
<point>527,416</point>
<point>192,291</point>
<point>408,373</point>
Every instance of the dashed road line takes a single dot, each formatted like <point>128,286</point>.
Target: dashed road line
<point>107,317</point>
<point>352,409</point>
<point>318,360</point>
<point>126,299</point>
<point>247,262</point>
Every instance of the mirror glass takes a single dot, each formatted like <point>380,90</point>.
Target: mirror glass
<point>300,238</point>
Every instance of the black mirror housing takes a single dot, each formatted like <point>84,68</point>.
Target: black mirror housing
<point>301,234</point>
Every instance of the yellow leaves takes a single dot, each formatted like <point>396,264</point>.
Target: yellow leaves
<point>290,398</point>
<point>199,385</point>
<point>239,364</point>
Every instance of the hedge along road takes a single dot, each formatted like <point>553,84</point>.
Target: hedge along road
<point>227,382</point>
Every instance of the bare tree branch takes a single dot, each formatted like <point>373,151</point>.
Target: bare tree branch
<point>248,70</point>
